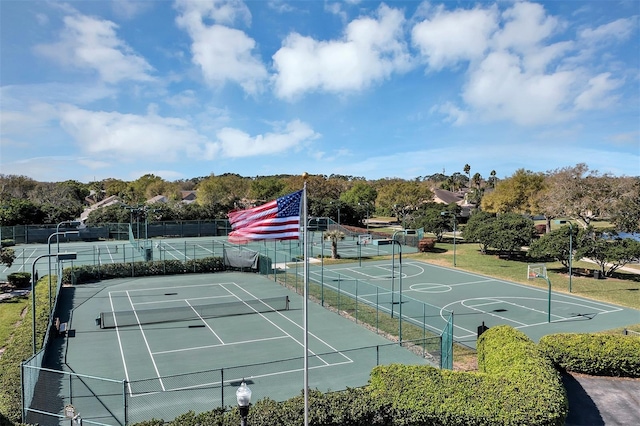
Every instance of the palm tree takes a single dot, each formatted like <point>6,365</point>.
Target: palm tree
<point>334,236</point>
<point>467,170</point>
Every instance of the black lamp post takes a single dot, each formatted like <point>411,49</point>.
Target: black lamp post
<point>243,396</point>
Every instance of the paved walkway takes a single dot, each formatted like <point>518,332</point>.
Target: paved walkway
<point>598,401</point>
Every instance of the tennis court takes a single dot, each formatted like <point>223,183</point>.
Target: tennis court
<point>430,292</point>
<point>176,343</point>
<point>100,253</point>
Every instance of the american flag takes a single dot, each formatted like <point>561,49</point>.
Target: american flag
<point>276,220</point>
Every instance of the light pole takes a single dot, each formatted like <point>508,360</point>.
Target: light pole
<point>56,234</point>
<point>59,257</point>
<point>243,396</point>
<point>454,233</point>
<point>570,248</point>
<point>73,223</point>
<point>366,206</point>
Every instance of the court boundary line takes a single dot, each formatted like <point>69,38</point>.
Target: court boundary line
<point>324,363</point>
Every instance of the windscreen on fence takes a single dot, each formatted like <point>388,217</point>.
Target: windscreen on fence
<point>240,258</point>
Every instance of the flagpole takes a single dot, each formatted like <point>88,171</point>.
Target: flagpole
<point>306,291</point>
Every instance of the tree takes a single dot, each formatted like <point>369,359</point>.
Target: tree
<point>20,212</point>
<point>334,236</point>
<point>401,198</point>
<point>478,229</point>
<point>224,192</point>
<point>7,256</point>
<point>516,194</point>
<point>467,170</point>
<point>264,189</point>
<point>433,221</point>
<point>579,193</point>
<point>510,232</point>
<point>115,213</point>
<point>506,233</point>
<point>492,178</point>
<point>555,245</point>
<point>14,186</point>
<point>477,180</point>
<point>609,253</point>
<point>626,217</point>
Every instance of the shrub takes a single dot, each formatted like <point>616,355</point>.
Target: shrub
<point>426,244</point>
<point>20,279</point>
<point>595,354</point>
<point>516,385</point>
<point>91,273</point>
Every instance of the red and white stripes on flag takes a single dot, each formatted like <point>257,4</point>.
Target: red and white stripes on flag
<point>276,220</point>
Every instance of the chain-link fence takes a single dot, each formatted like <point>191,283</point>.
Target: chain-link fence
<point>366,303</point>
<point>32,234</point>
<point>102,401</point>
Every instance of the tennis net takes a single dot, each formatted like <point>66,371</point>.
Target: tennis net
<point>192,312</point>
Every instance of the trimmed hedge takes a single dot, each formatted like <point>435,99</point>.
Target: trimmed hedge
<point>516,385</point>
<point>19,349</point>
<point>91,273</point>
<point>352,407</point>
<point>594,354</point>
<point>20,279</point>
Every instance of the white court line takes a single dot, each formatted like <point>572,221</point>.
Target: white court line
<point>171,287</point>
<point>538,289</point>
<point>496,301</point>
<point>226,296</point>
<point>124,362</point>
<point>301,328</point>
<point>144,337</point>
<point>195,348</point>
<point>205,323</point>
<point>257,376</point>
<point>186,255</point>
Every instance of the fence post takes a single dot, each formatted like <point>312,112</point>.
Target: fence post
<point>22,396</point>
<point>356,301</point>
<point>125,402</point>
<point>222,387</point>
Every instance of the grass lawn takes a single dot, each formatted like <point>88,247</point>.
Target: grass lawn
<point>11,312</point>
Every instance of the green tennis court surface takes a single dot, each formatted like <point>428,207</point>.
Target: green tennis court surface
<point>474,299</point>
<point>196,362</point>
<point>99,253</point>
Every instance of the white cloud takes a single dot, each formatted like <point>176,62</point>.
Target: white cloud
<point>371,50</point>
<point>223,12</point>
<point>235,143</point>
<point>128,9</point>
<point>598,95</point>
<point>90,43</point>
<point>515,73</point>
<point>222,53</point>
<point>499,89</point>
<point>150,137</point>
<point>130,137</point>
<point>526,25</point>
<point>620,29</point>
<point>454,114</point>
<point>447,38</point>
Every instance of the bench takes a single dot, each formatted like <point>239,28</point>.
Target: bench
<point>61,327</point>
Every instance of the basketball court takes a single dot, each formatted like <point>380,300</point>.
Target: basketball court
<point>474,299</point>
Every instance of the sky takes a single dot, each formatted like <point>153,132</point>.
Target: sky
<point>97,89</point>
